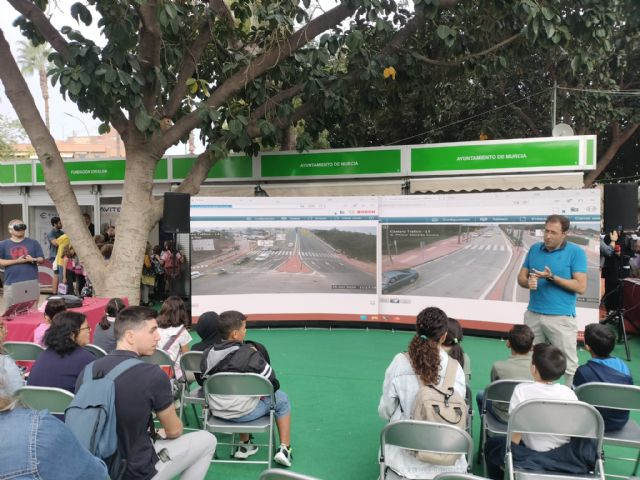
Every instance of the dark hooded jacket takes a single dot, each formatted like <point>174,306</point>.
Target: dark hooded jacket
<point>237,357</point>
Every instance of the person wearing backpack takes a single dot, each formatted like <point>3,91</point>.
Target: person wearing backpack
<point>140,389</point>
<point>423,371</point>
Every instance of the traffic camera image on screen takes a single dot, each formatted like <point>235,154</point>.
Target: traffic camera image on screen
<point>472,261</point>
<point>284,260</point>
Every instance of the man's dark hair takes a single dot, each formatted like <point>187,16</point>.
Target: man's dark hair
<point>229,321</point>
<point>549,361</point>
<point>600,339</point>
<point>521,339</point>
<point>86,215</point>
<point>561,219</point>
<point>132,318</point>
<point>65,326</point>
<point>54,220</point>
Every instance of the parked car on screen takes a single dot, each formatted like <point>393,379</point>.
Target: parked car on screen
<point>394,279</point>
<point>196,274</point>
<point>242,260</point>
<point>262,257</point>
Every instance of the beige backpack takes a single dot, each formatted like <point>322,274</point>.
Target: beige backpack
<point>440,405</point>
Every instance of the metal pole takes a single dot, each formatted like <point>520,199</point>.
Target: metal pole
<point>554,104</point>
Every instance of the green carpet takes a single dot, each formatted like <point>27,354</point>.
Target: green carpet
<point>334,380</point>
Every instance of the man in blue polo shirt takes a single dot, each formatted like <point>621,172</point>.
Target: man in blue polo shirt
<point>554,272</point>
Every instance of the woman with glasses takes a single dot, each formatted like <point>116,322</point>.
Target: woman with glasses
<point>63,360</point>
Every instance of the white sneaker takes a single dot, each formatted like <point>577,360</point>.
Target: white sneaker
<point>283,455</point>
<point>245,450</point>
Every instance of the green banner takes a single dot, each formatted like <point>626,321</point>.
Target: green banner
<point>98,171</point>
<point>490,156</point>
<point>331,163</point>
<point>6,174</point>
<point>23,173</point>
<point>230,167</point>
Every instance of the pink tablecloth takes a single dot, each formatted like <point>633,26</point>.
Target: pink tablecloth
<point>21,328</point>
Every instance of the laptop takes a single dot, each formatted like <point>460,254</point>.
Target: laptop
<point>24,298</point>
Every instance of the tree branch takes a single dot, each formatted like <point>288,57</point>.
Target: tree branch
<point>42,24</point>
<point>257,67</point>
<point>150,41</point>
<point>619,139</point>
<point>457,62</point>
<point>221,9</point>
<point>273,102</point>
<point>198,173</point>
<point>189,62</point>
<point>57,182</point>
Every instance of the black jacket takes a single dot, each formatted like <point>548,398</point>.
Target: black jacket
<point>237,357</point>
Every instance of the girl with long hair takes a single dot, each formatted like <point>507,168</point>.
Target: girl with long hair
<point>172,327</point>
<point>425,361</point>
<point>453,346</point>
<point>104,335</point>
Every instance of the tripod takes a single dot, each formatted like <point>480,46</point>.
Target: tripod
<point>616,316</point>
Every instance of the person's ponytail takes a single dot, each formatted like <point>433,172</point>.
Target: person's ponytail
<point>424,349</point>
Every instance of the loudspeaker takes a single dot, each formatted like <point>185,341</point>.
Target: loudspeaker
<point>176,212</point>
<point>620,206</point>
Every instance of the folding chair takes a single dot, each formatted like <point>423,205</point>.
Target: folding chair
<point>618,397</point>
<point>279,474</point>
<point>575,419</point>
<point>244,385</point>
<point>190,364</point>
<point>425,437</point>
<point>498,392</point>
<point>468,398</point>
<point>23,351</point>
<point>56,400</point>
<point>457,476</point>
<point>96,350</point>
<point>162,359</point>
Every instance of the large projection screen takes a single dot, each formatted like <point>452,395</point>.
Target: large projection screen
<point>380,260</point>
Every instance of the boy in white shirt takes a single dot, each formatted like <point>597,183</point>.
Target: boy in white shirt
<point>548,364</point>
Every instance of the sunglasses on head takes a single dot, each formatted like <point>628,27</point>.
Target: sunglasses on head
<point>19,226</point>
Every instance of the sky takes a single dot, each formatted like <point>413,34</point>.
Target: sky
<point>66,119</point>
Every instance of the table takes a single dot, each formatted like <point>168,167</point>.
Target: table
<point>21,328</point>
<point>631,302</point>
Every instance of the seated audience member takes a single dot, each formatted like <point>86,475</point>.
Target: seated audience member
<point>35,445</point>
<point>174,337</point>
<point>52,307</point>
<point>13,377</point>
<point>145,389</point>
<point>452,345</point>
<point>104,336</point>
<point>63,360</point>
<point>234,355</point>
<point>516,367</point>
<point>426,360</point>
<point>548,364</point>
<point>599,342</point>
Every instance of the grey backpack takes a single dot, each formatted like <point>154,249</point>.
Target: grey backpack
<point>91,416</point>
<point>440,405</point>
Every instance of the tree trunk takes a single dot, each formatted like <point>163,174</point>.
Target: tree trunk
<point>618,139</point>
<point>44,87</point>
<point>138,215</point>
<point>289,137</point>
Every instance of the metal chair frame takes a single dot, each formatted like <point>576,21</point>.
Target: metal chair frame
<point>618,397</point>
<point>99,352</point>
<point>190,363</point>
<point>56,400</point>
<point>279,474</point>
<point>23,351</point>
<point>426,437</point>
<point>246,385</point>
<point>571,418</point>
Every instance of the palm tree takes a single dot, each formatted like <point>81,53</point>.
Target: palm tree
<point>33,58</point>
